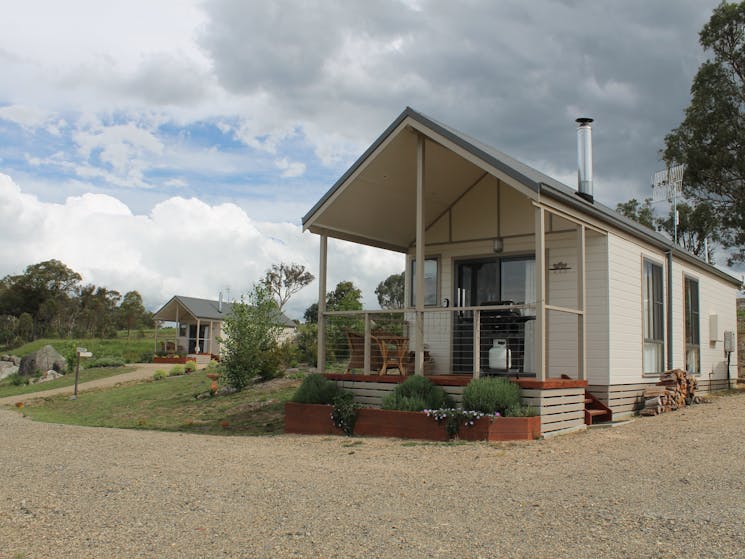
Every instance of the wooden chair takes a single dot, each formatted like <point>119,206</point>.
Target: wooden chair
<point>356,343</point>
<point>356,351</point>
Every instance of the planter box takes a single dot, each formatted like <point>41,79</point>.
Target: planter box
<point>309,419</point>
<point>315,419</point>
<point>173,360</point>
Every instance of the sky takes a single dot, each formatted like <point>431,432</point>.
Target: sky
<point>173,147</point>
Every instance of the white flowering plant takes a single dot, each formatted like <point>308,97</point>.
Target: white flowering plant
<point>455,417</point>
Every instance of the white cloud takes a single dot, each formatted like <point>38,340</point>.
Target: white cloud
<point>183,246</point>
<point>125,149</point>
<point>28,117</point>
<point>290,168</point>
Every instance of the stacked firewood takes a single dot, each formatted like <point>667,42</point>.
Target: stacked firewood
<point>675,389</point>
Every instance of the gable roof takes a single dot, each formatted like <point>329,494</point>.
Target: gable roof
<point>532,182</point>
<point>207,309</point>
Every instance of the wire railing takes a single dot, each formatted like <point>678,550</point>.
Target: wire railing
<point>493,340</point>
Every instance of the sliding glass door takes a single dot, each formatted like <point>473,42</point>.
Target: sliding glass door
<point>486,282</point>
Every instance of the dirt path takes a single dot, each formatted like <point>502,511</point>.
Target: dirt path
<point>661,487</point>
<point>142,371</point>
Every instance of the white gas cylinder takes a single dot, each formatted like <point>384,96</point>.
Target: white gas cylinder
<point>499,355</point>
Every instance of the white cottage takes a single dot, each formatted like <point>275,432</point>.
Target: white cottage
<point>510,272</point>
<point>199,327</point>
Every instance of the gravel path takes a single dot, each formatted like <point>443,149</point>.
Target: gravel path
<point>143,371</point>
<point>666,486</point>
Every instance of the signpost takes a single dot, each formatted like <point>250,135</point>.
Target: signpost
<point>81,352</point>
<point>668,185</point>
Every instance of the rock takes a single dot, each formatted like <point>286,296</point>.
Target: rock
<point>11,358</point>
<point>50,375</point>
<point>7,368</point>
<point>42,360</point>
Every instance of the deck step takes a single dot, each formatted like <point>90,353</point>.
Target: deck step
<point>595,410</point>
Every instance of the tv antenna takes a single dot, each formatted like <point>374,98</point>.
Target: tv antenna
<point>668,185</point>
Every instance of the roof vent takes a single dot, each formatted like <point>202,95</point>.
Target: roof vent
<point>584,158</point>
<point>219,303</point>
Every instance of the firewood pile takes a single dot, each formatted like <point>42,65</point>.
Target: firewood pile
<point>675,389</point>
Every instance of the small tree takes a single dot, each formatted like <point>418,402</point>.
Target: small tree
<point>250,345</point>
<point>642,213</point>
<point>284,280</point>
<point>390,292</point>
<point>132,314</point>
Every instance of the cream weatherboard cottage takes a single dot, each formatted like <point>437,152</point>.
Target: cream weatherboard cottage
<point>574,296</point>
<point>199,327</point>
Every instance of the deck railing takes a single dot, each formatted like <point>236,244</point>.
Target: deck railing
<point>456,340</point>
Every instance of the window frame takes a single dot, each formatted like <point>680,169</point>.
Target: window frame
<point>412,282</point>
<point>692,322</point>
<point>653,314</point>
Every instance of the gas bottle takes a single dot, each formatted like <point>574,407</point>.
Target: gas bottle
<point>499,355</point>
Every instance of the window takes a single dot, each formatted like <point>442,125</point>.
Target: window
<point>430,282</point>
<point>654,317</point>
<point>693,327</point>
<point>518,280</point>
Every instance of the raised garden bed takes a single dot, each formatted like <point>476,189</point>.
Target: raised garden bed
<point>173,360</point>
<point>315,419</point>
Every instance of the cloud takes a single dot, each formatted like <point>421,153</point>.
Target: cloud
<point>183,246</point>
<point>290,168</point>
<point>508,73</point>
<point>27,117</point>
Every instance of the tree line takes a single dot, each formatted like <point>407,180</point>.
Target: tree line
<point>50,300</point>
<point>709,141</point>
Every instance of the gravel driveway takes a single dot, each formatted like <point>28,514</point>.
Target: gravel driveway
<point>666,486</point>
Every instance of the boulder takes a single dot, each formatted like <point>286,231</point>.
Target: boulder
<point>7,368</point>
<point>42,360</point>
<point>50,375</point>
<point>11,358</point>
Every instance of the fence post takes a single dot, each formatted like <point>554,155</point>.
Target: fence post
<point>476,343</point>
<point>367,344</point>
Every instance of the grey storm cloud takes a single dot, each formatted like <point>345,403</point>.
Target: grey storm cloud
<point>513,74</point>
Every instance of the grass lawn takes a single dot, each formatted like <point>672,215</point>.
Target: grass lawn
<point>170,405</point>
<point>140,343</point>
<point>8,389</point>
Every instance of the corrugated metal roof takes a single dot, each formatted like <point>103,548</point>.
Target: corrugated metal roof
<point>209,309</point>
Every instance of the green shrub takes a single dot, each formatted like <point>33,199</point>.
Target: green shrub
<point>107,361</point>
<point>491,395</point>
<point>250,343</point>
<point>344,414</point>
<point>17,380</point>
<point>146,357</point>
<point>518,410</point>
<point>176,370</point>
<point>417,393</point>
<point>403,403</point>
<point>190,366</point>
<point>287,353</point>
<point>316,389</point>
<point>159,375</point>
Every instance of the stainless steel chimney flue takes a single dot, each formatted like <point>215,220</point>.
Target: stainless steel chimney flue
<point>219,303</point>
<point>584,158</point>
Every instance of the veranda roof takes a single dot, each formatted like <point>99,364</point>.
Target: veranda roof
<point>374,202</point>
